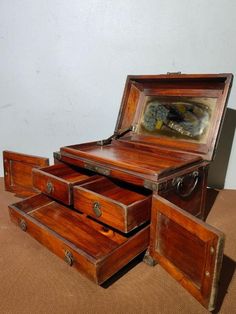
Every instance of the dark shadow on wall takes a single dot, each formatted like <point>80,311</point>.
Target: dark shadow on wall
<point>218,167</point>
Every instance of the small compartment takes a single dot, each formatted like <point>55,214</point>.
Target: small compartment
<point>93,249</point>
<point>58,180</point>
<point>120,205</point>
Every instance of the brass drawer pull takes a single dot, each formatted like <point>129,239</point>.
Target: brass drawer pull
<point>179,185</point>
<point>68,258</point>
<point>49,187</point>
<point>97,209</point>
<point>23,225</point>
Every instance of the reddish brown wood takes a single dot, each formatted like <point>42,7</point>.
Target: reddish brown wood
<point>195,202</point>
<point>121,206</point>
<point>134,162</point>
<point>58,180</point>
<point>98,252</point>
<point>189,249</point>
<point>18,172</point>
<point>204,85</point>
<point>172,167</point>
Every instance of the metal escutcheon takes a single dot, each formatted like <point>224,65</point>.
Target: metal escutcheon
<point>49,187</point>
<point>68,258</point>
<point>97,209</point>
<point>23,225</point>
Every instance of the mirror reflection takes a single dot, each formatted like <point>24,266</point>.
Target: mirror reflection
<point>185,118</point>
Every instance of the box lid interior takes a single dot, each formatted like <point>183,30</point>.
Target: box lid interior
<point>182,112</point>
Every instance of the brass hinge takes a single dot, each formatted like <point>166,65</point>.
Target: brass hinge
<point>101,170</point>
<point>57,155</point>
<point>173,73</point>
<point>116,135</point>
<point>150,185</point>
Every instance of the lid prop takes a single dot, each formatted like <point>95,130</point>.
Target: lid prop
<point>116,135</point>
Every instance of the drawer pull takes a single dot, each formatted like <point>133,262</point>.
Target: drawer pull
<point>23,225</point>
<point>68,258</point>
<point>97,209</point>
<point>49,187</point>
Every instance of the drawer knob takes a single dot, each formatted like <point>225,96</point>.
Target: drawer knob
<point>97,209</point>
<point>68,258</point>
<point>49,187</point>
<point>23,225</point>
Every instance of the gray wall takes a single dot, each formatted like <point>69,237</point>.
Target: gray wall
<point>63,65</point>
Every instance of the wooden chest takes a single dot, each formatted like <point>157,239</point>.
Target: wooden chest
<point>143,188</point>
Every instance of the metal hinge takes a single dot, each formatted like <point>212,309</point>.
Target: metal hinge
<point>57,155</point>
<point>173,73</point>
<point>98,169</point>
<point>150,185</point>
<point>116,135</point>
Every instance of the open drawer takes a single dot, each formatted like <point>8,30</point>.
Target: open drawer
<point>118,204</point>
<point>90,247</point>
<point>58,180</point>
<point>189,249</point>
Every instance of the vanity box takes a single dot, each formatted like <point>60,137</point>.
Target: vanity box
<point>142,189</point>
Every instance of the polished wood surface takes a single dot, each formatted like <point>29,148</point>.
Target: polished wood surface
<point>189,249</point>
<point>202,85</point>
<point>134,161</point>
<point>36,281</point>
<point>58,180</point>
<point>121,206</point>
<point>98,251</point>
<point>18,172</point>
<point>117,229</point>
<point>194,203</point>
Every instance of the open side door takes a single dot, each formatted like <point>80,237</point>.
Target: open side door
<point>189,249</point>
<point>18,172</point>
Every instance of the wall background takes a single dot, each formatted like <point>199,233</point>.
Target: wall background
<point>63,65</point>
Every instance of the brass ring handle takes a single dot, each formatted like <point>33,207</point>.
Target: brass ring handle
<point>97,209</point>
<point>179,185</point>
<point>68,258</point>
<point>49,187</point>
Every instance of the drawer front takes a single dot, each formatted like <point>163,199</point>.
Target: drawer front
<point>52,186</point>
<point>116,214</point>
<point>58,180</point>
<point>90,247</point>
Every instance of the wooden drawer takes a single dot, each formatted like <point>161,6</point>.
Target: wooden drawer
<point>115,203</point>
<point>90,247</point>
<point>58,180</point>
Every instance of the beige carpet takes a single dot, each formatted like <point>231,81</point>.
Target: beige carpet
<point>33,280</point>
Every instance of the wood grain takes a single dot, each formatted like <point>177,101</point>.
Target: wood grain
<point>189,249</point>
<point>61,177</point>
<point>98,252</point>
<point>18,172</point>
<point>121,206</point>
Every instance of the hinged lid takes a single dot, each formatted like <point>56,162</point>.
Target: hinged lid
<point>177,111</point>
